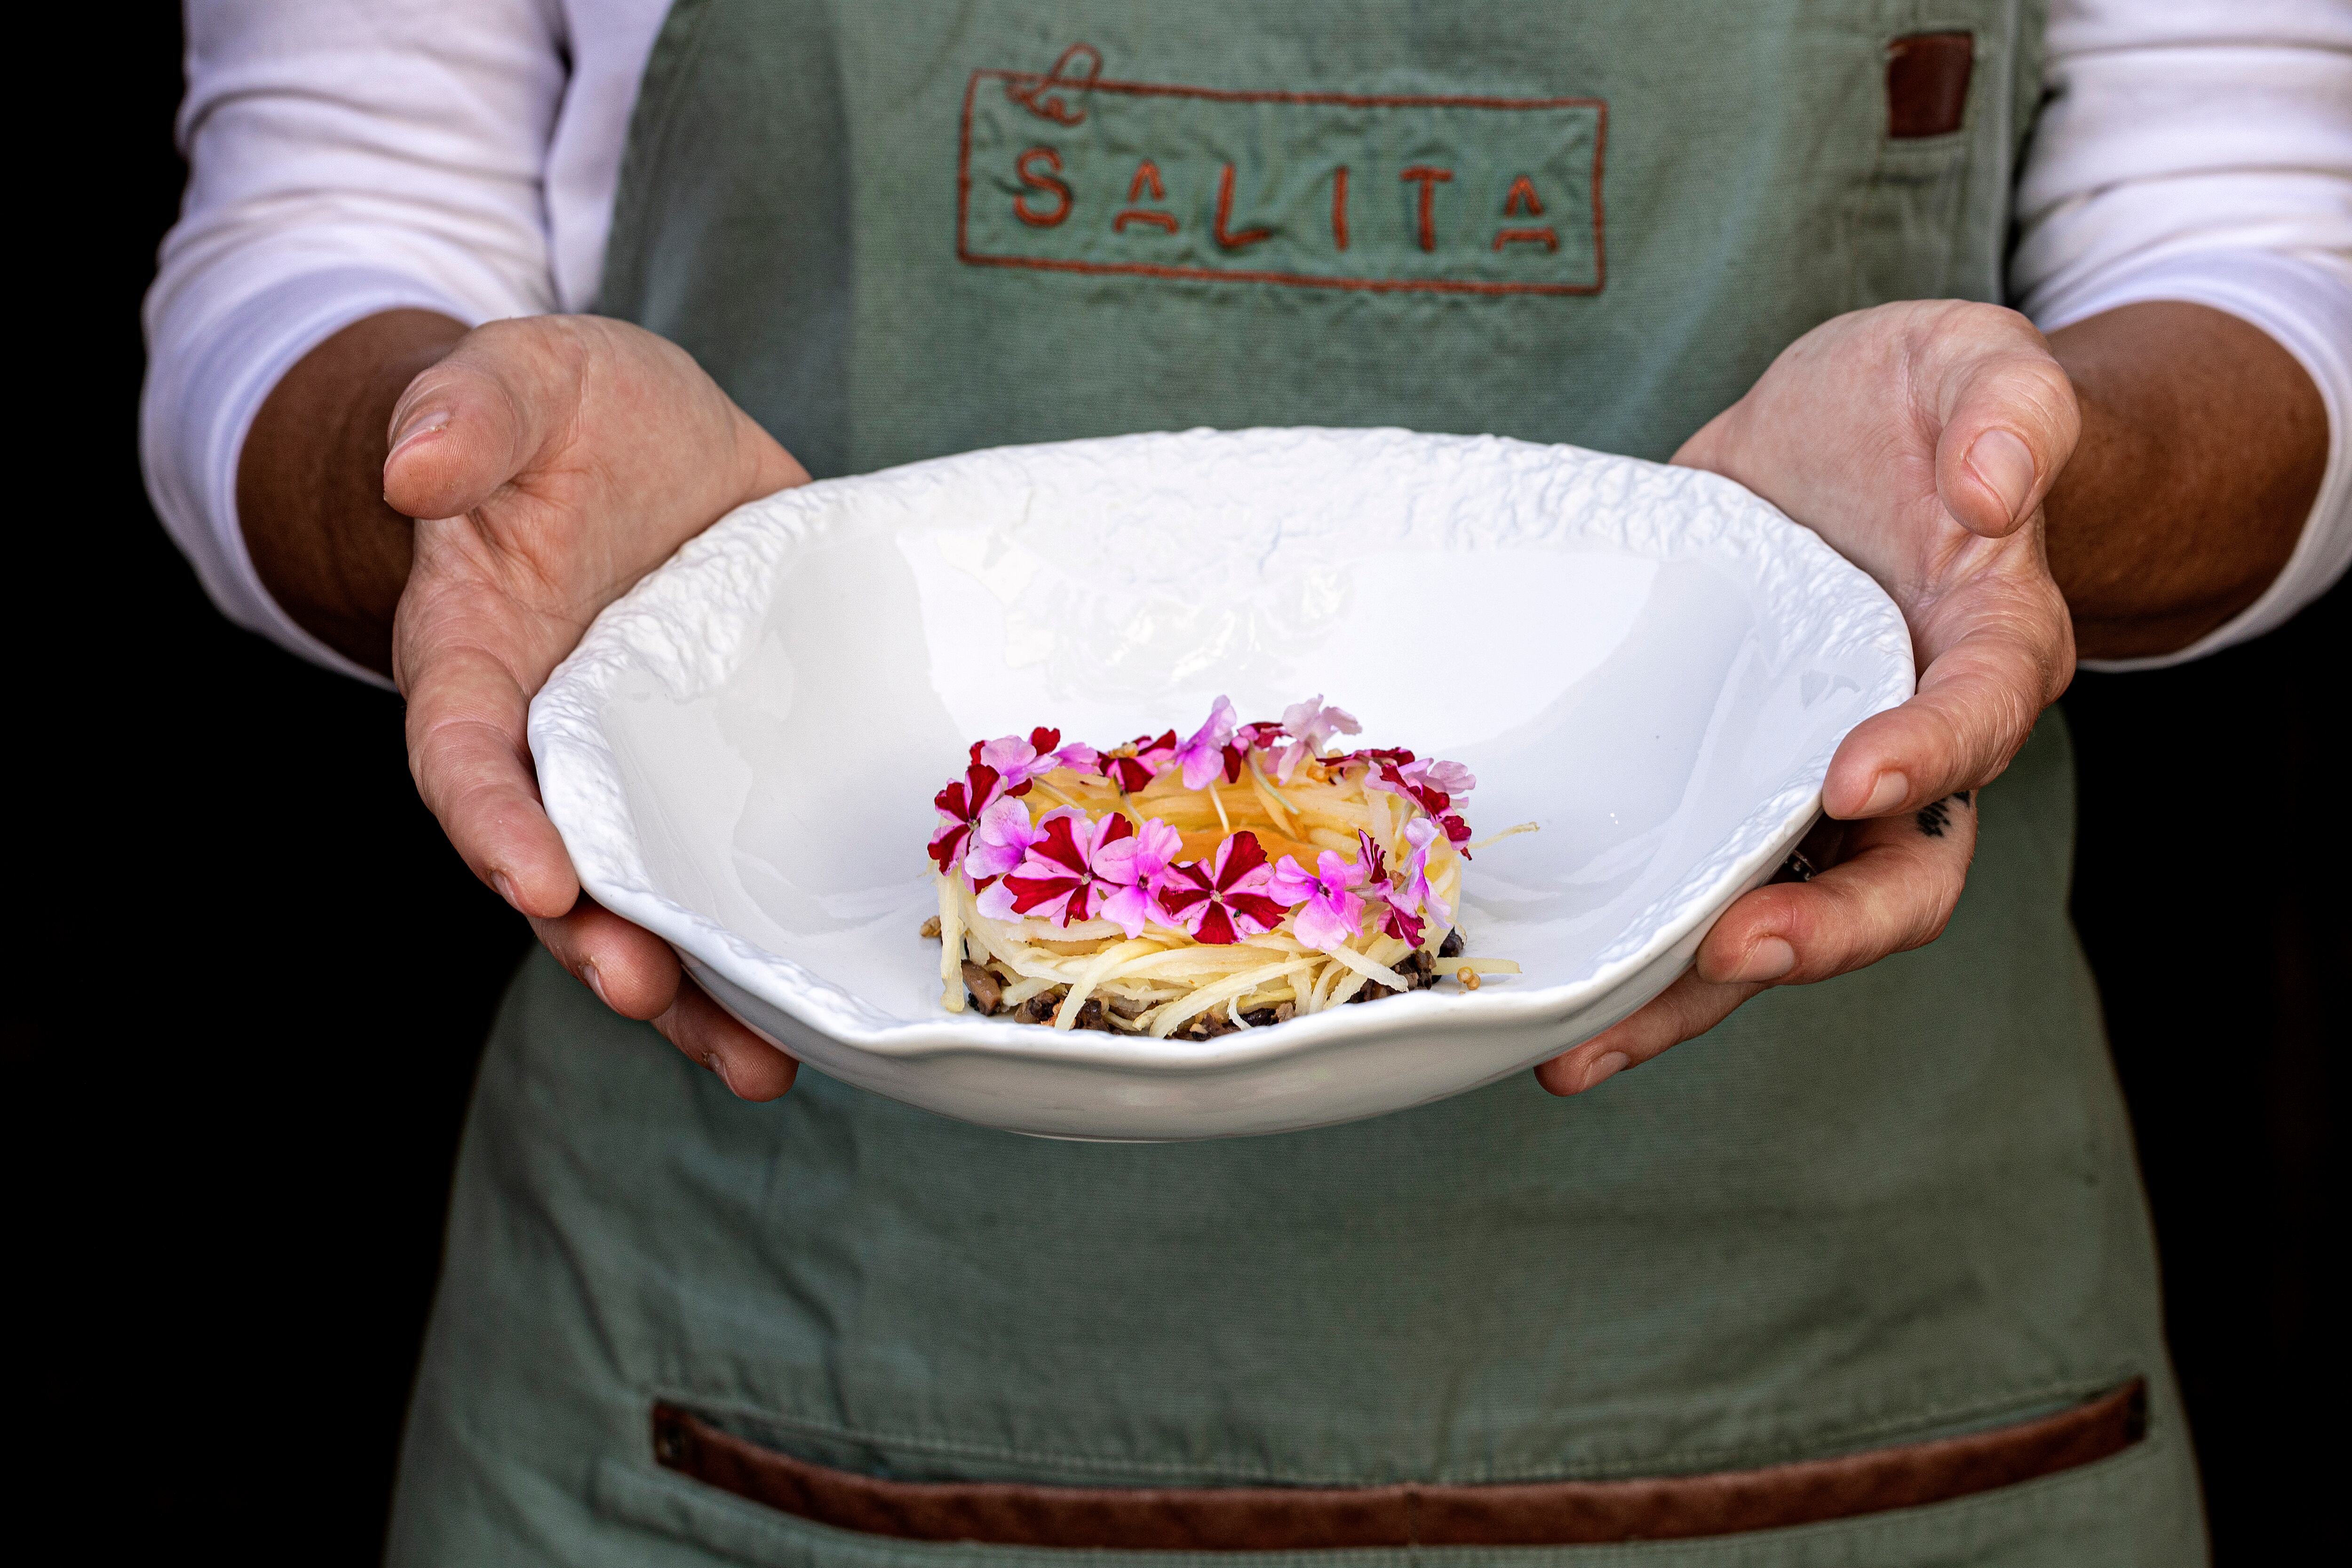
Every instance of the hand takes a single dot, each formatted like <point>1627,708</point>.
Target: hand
<point>552,462</point>
<point>1920,439</point>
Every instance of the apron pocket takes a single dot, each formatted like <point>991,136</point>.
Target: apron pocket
<point>1272,1519</point>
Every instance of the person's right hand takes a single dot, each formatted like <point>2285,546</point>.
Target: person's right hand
<point>551,463</point>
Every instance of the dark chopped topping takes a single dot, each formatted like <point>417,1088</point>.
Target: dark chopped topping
<point>1090,1016</point>
<point>987,991</point>
<point>1452,946</point>
<point>1258,1018</point>
<point>1210,1024</point>
<point>1039,1009</point>
<point>931,929</point>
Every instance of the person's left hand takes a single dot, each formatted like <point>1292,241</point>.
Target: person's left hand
<point>1919,440</point>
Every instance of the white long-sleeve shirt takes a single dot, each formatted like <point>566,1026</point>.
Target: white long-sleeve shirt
<point>351,156</point>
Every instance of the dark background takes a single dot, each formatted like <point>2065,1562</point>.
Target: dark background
<point>261,979</point>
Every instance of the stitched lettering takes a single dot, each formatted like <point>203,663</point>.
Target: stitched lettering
<point>1031,92</point>
<point>1549,150</point>
<point>1225,237</point>
<point>1430,180</point>
<point>1037,182</point>
<point>1146,177</point>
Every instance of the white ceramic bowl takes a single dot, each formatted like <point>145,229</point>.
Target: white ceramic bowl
<point>1651,662</point>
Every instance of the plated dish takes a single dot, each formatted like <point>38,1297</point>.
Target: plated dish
<point>1237,879</point>
<point>1649,663</point>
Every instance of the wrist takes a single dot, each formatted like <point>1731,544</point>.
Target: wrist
<point>2203,444</point>
<point>310,488</point>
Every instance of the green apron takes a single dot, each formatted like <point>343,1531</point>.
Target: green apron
<point>1893,1206</point>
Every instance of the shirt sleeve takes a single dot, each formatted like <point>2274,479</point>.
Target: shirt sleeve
<point>2201,151</point>
<point>345,157</point>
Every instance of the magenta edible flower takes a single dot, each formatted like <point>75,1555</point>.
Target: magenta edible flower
<point>1329,912</point>
<point>1132,864</point>
<point>1137,763</point>
<point>1057,878</point>
<point>1225,900</point>
<point>1309,724</point>
<point>1202,757</point>
<point>1407,893</point>
<point>959,806</point>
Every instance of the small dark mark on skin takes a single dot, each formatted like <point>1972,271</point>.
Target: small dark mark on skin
<point>1937,815</point>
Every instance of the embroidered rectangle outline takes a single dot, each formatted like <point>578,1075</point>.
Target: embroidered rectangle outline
<point>965,254</point>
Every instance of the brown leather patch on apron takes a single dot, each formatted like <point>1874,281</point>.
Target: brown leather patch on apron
<point>1267,1518</point>
<point>1928,83</point>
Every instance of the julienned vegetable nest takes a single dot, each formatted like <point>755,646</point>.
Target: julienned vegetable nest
<point>1237,879</point>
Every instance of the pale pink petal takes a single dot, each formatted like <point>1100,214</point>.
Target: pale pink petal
<point>1291,883</point>
<point>1129,908</point>
<point>1337,872</point>
<point>999,840</point>
<point>995,901</point>
<point>1321,926</point>
<point>1202,757</point>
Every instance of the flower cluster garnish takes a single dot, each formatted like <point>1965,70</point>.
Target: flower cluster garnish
<point>1097,856</point>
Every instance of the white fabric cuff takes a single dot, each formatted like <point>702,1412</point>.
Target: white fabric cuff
<point>2306,304</point>
<point>199,401</point>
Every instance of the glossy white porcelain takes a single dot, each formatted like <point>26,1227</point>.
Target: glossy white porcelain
<point>1649,662</point>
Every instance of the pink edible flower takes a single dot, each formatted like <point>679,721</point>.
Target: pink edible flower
<point>1396,918</point>
<point>1140,764</point>
<point>1225,900</point>
<point>1407,891</point>
<point>1078,756</point>
<point>1309,724</point>
<point>1430,783</point>
<point>1020,761</point>
<point>960,806</point>
<point>999,840</point>
<point>1247,739</point>
<point>1203,756</point>
<point>1057,878</point>
<point>1133,863</point>
<point>1329,913</point>
<point>1451,777</point>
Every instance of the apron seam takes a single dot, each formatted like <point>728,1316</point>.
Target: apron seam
<point>1684,1461</point>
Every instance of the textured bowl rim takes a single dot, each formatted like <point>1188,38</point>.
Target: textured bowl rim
<point>580,777</point>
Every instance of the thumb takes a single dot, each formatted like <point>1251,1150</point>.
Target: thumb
<point>472,422</point>
<point>2010,422</point>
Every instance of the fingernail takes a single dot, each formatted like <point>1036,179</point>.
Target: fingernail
<point>504,888</point>
<point>419,426</point>
<point>596,982</point>
<point>1769,960</point>
<point>1604,1067</point>
<point>718,1070</point>
<point>1888,792</point>
<point>2000,461</point>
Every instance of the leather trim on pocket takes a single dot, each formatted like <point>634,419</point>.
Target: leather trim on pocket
<point>1927,84</point>
<point>1543,1514</point>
